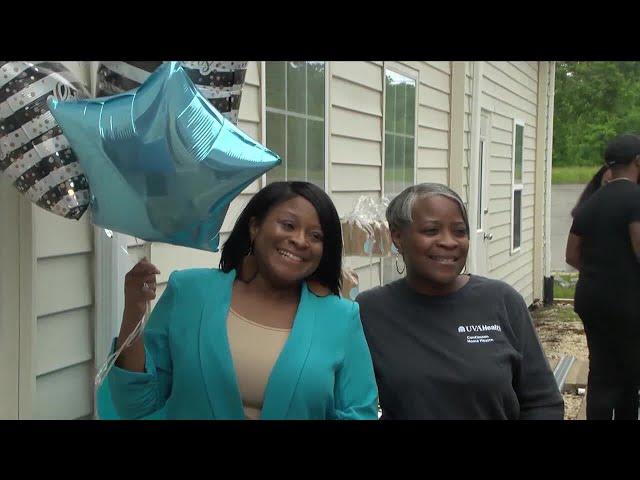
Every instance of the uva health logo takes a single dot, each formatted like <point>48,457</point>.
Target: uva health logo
<point>479,328</point>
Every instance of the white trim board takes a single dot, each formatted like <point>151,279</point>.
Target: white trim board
<point>516,186</point>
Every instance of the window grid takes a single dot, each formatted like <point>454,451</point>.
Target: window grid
<point>287,114</point>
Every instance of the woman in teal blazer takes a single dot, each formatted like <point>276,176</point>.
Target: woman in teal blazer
<point>280,268</point>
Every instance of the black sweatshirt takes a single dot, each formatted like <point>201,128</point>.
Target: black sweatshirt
<point>609,269</point>
<point>472,354</point>
<point>606,295</point>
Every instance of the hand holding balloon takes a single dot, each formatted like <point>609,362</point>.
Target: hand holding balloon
<point>139,290</point>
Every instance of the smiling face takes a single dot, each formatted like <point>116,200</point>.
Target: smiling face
<point>435,244</point>
<point>288,244</point>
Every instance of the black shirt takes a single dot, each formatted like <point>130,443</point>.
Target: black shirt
<point>609,270</point>
<point>607,292</point>
<point>472,354</point>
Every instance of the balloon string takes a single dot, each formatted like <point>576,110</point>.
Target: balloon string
<point>111,359</point>
<point>133,336</point>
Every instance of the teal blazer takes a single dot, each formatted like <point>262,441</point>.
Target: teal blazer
<point>323,372</point>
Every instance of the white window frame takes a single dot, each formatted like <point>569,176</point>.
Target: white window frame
<point>516,186</point>
<point>415,76</point>
<point>264,109</point>
<point>479,192</point>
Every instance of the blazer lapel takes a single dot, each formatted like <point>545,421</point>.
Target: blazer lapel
<point>215,355</point>
<point>287,369</point>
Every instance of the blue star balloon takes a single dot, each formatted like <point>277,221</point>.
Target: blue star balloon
<point>162,163</point>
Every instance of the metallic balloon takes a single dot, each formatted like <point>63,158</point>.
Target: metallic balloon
<point>220,82</point>
<point>34,154</point>
<point>163,164</point>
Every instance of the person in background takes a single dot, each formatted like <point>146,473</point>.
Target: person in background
<point>599,179</point>
<point>604,246</point>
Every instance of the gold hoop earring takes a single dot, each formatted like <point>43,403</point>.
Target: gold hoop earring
<point>398,267</point>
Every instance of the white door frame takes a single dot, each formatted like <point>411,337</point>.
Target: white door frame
<point>112,262</point>
<point>111,265</point>
<point>476,113</point>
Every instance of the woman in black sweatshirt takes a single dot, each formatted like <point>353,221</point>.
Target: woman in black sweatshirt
<point>604,245</point>
<point>447,345</point>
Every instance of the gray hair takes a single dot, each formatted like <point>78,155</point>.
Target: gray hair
<point>399,210</point>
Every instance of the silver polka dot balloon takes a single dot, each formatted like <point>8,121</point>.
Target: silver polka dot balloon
<point>219,82</point>
<point>34,154</point>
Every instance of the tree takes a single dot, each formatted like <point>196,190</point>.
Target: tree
<point>594,101</point>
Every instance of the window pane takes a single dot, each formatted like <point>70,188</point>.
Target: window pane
<point>296,87</point>
<point>390,106</point>
<point>274,73</point>
<point>275,141</point>
<point>401,108</point>
<point>408,163</point>
<point>389,162</point>
<point>315,89</point>
<point>411,108</point>
<point>315,152</point>
<point>398,171</point>
<point>517,216</point>
<point>296,148</point>
<point>519,153</point>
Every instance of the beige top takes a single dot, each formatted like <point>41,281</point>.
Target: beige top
<point>254,349</point>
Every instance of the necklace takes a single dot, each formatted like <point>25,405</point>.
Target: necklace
<point>621,178</point>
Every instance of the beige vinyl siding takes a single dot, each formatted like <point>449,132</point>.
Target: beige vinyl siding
<point>368,271</point>
<point>65,394</point>
<point>468,107</point>
<point>64,308</point>
<point>510,90</point>
<point>355,145</point>
<point>434,120</point>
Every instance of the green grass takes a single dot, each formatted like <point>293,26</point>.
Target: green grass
<point>555,313</point>
<point>563,292</point>
<point>575,174</point>
<point>564,285</point>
